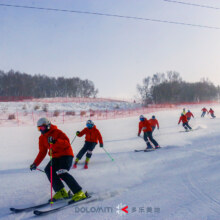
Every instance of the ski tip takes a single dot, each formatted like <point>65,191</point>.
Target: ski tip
<point>13,209</point>
<point>37,212</point>
<point>16,210</point>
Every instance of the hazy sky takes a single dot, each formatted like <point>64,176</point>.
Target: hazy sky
<point>115,53</point>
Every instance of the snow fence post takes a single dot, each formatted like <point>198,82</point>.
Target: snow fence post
<point>63,117</point>
<point>17,117</point>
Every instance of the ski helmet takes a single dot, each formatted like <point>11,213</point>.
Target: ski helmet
<point>89,124</point>
<point>153,117</point>
<point>188,110</point>
<point>43,125</point>
<point>141,118</point>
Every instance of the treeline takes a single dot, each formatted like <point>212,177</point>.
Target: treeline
<point>170,88</point>
<point>16,84</point>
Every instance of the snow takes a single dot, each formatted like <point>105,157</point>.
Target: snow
<point>178,181</point>
<point>61,104</point>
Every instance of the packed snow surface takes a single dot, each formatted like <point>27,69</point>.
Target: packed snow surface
<point>179,181</point>
<point>38,105</point>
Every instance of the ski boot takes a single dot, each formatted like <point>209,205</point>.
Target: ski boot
<point>149,146</point>
<point>75,164</point>
<point>78,196</point>
<point>61,194</point>
<point>86,165</point>
<point>157,147</point>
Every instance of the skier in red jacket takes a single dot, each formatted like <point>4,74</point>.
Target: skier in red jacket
<point>93,136</point>
<point>211,112</point>
<point>154,122</point>
<point>184,120</point>
<point>204,110</point>
<point>189,114</point>
<point>62,156</point>
<point>145,126</point>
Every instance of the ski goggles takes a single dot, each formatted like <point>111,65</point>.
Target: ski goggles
<point>41,128</point>
<point>89,125</point>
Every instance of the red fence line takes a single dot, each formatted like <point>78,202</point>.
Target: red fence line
<point>61,117</point>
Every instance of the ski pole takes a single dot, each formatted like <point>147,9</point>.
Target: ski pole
<point>108,154</point>
<point>73,140</point>
<point>40,170</point>
<point>51,176</point>
<point>43,171</point>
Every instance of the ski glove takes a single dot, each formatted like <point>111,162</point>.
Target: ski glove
<point>33,166</point>
<point>77,133</point>
<point>101,145</point>
<point>51,140</point>
<point>138,135</point>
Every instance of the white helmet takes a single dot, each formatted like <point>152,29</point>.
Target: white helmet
<point>43,121</point>
<point>141,117</point>
<point>90,122</point>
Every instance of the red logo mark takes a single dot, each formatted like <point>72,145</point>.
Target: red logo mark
<point>125,209</point>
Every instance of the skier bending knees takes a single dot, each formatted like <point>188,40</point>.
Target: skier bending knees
<point>93,135</point>
<point>211,113</point>
<point>154,122</point>
<point>184,120</point>
<point>146,127</point>
<point>204,110</point>
<point>189,114</point>
<point>54,140</point>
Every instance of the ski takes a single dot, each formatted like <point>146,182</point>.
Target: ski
<point>188,130</point>
<point>15,210</point>
<point>70,203</point>
<point>145,150</point>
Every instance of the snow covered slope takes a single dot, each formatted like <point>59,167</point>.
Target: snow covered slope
<point>179,181</point>
<point>64,104</point>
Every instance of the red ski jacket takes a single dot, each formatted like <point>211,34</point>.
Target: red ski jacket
<point>211,111</point>
<point>154,122</point>
<point>145,126</point>
<point>204,110</point>
<point>183,118</point>
<point>189,115</point>
<point>61,147</point>
<point>92,135</point>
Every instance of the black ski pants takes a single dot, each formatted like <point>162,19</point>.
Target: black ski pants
<point>88,147</point>
<point>213,116</point>
<point>186,126</point>
<point>148,135</point>
<point>60,168</point>
<point>203,114</point>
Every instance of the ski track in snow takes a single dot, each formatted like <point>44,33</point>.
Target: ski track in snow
<point>182,178</point>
